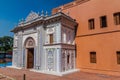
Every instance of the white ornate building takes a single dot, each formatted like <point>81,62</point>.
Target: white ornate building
<point>45,43</point>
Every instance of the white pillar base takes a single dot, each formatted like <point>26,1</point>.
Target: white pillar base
<point>14,67</point>
<point>56,73</point>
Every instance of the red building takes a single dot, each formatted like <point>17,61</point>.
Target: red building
<point>98,34</point>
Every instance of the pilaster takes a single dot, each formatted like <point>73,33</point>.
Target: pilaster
<point>58,33</point>
<point>20,53</point>
<point>35,56</point>
<point>58,60</point>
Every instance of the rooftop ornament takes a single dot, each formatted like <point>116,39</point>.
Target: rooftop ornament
<point>21,22</point>
<point>46,14</point>
<point>32,15</point>
<point>42,13</point>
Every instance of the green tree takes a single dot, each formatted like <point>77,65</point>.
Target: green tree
<point>6,43</point>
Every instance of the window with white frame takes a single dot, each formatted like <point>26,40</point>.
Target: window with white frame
<point>50,35</point>
<point>51,38</point>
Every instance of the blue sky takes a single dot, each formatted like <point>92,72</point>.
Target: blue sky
<point>13,10</point>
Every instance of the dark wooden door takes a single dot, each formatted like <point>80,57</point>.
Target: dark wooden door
<point>30,58</point>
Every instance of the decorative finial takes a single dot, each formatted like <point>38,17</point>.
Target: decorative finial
<point>46,14</point>
<point>38,13</point>
<point>42,13</point>
<point>21,21</point>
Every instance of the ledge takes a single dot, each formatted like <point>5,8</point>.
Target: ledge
<point>58,44</point>
<point>56,73</point>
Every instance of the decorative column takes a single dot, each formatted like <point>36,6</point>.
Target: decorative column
<point>74,58</point>
<point>65,60</point>
<point>41,53</point>
<point>46,51</point>
<point>23,63</point>
<point>19,54</point>
<point>14,59</point>
<point>50,59</point>
<point>70,53</point>
<point>35,57</point>
<point>38,49</point>
<point>20,51</point>
<point>58,34</point>
<point>58,57</point>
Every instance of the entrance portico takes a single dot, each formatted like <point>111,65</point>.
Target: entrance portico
<point>29,45</point>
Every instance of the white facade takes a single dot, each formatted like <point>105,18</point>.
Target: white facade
<point>45,43</point>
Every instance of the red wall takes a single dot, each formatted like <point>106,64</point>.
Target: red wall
<point>104,41</point>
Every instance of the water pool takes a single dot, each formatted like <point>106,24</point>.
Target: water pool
<point>5,64</point>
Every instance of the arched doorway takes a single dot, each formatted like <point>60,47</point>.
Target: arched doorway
<point>29,45</point>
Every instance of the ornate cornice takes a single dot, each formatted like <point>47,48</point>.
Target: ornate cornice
<point>59,44</point>
<point>43,21</point>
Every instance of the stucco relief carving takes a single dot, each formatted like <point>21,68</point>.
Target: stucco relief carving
<point>15,42</point>
<point>32,16</point>
<point>72,60</point>
<point>63,61</point>
<point>50,60</point>
<point>29,42</point>
<point>67,60</point>
<point>50,30</point>
<point>64,37</point>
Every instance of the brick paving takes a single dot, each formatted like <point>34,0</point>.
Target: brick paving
<point>18,75</point>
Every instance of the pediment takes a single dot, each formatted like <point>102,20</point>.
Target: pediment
<point>32,15</point>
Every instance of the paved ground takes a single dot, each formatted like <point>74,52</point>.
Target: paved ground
<point>18,75</point>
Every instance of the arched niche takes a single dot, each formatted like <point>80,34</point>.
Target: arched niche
<point>29,42</point>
